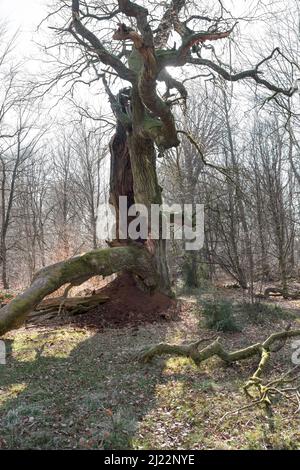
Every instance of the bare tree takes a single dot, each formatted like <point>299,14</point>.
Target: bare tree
<point>90,175</point>
<point>20,149</point>
<point>145,119</point>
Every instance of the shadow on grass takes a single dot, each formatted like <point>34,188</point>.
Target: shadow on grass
<point>72,388</point>
<point>69,388</point>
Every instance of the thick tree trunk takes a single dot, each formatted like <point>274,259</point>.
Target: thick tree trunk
<point>190,270</point>
<point>147,191</point>
<point>133,174</point>
<point>121,181</point>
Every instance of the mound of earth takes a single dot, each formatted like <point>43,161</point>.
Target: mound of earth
<point>127,306</point>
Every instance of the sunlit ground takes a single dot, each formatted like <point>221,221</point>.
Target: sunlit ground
<point>70,388</point>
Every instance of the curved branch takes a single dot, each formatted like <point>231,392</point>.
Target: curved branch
<point>191,350</point>
<point>171,83</point>
<point>95,44</point>
<point>141,15</point>
<point>124,33</point>
<point>167,135</point>
<point>76,271</point>
<point>253,74</point>
<point>167,23</point>
<point>218,168</point>
<point>254,387</point>
<point>196,38</point>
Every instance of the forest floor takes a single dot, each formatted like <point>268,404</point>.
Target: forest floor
<point>80,385</point>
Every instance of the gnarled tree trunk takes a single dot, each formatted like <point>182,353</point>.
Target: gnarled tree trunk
<point>133,174</point>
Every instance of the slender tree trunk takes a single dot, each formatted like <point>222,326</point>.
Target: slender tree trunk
<point>42,243</point>
<point>261,224</point>
<point>5,282</point>
<point>240,204</point>
<point>3,249</point>
<point>94,230</point>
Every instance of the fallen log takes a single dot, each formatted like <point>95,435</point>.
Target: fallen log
<point>70,306</point>
<point>273,291</point>
<point>70,303</point>
<point>277,292</point>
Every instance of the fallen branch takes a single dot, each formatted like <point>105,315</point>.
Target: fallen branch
<point>276,291</point>
<point>192,351</point>
<point>267,391</point>
<point>50,308</point>
<point>254,388</point>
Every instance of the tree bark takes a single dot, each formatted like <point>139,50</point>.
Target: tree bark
<point>133,174</point>
<point>147,191</point>
<point>3,252</point>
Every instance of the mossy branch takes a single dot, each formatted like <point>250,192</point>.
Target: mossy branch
<point>76,271</point>
<point>254,388</point>
<point>192,351</point>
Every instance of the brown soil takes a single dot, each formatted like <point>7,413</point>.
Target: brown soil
<point>127,306</point>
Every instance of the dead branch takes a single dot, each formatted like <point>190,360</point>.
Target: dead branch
<point>260,393</point>
<point>71,306</point>
<point>191,350</point>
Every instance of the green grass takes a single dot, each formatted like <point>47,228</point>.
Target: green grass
<point>71,388</point>
<point>59,389</point>
<point>5,295</point>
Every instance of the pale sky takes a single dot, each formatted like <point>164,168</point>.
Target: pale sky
<point>27,14</point>
<point>23,16</point>
<point>21,13</point>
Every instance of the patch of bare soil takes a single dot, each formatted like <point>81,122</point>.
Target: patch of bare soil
<point>127,306</point>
